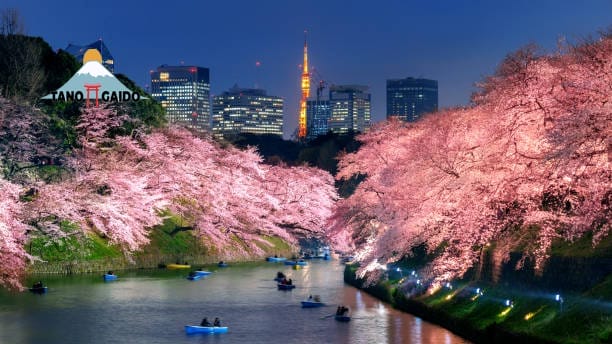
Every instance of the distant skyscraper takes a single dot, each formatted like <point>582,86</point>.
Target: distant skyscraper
<point>79,50</point>
<point>247,110</point>
<point>318,114</point>
<point>350,108</point>
<point>184,91</point>
<point>410,98</point>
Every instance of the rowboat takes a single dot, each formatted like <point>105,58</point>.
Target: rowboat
<point>285,286</point>
<point>194,277</point>
<point>192,329</point>
<point>222,265</point>
<point>39,290</point>
<point>108,277</point>
<point>293,262</point>
<point>312,304</point>
<point>276,259</point>
<point>342,318</point>
<point>178,266</point>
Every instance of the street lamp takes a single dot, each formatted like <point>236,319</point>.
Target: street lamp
<point>559,299</point>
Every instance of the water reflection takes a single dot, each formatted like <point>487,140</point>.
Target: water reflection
<point>153,306</point>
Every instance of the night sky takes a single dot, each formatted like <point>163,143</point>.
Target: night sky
<point>350,42</point>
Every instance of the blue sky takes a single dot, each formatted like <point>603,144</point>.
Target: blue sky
<point>351,42</point>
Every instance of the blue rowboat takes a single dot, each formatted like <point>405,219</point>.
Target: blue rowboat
<point>301,263</point>
<point>108,277</point>
<point>312,304</point>
<point>222,265</point>
<point>202,273</point>
<point>39,290</point>
<point>194,277</point>
<point>343,318</point>
<point>290,262</point>
<point>192,329</point>
<point>285,286</point>
<point>276,259</point>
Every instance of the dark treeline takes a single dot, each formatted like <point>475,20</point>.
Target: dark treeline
<point>321,152</point>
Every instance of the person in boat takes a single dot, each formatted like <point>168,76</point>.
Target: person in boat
<point>221,262</point>
<point>276,256</point>
<point>317,298</point>
<point>37,285</point>
<point>217,322</point>
<point>290,282</point>
<point>341,310</point>
<point>310,298</point>
<point>192,273</point>
<point>284,281</point>
<point>205,322</point>
<point>280,275</point>
<point>110,272</point>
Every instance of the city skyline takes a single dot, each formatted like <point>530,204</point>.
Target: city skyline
<point>455,44</point>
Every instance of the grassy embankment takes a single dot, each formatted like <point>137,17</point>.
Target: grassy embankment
<point>78,252</point>
<point>585,316</point>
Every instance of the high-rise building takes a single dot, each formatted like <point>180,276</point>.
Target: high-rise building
<point>184,91</point>
<point>410,98</point>
<point>318,114</point>
<point>246,110</point>
<point>350,108</point>
<point>79,50</point>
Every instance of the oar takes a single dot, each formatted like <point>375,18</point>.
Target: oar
<point>327,316</point>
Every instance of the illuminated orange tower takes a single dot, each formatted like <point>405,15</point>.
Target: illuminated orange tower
<point>305,92</point>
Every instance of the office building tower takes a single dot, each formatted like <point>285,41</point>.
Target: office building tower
<point>184,91</point>
<point>246,110</point>
<point>79,50</point>
<point>408,99</point>
<point>350,108</point>
<point>318,114</point>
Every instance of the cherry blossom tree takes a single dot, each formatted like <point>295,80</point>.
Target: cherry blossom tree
<point>121,186</point>
<point>529,158</point>
<point>12,236</point>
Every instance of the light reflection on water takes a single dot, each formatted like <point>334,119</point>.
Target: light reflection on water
<point>153,306</point>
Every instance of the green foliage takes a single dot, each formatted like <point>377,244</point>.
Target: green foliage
<point>534,316</point>
<point>74,246</point>
<point>29,68</point>
<point>271,147</point>
<point>60,67</point>
<point>583,247</point>
<point>147,112</point>
<point>277,246</point>
<point>165,240</point>
<point>51,173</point>
<point>321,152</point>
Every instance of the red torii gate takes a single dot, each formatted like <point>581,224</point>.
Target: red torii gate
<point>91,87</point>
